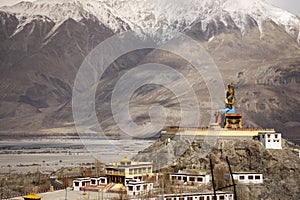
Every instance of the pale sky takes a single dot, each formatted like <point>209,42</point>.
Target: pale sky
<point>291,5</point>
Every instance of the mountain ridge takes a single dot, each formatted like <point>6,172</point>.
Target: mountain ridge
<point>159,16</point>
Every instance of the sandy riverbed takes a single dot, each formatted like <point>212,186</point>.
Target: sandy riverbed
<point>48,155</point>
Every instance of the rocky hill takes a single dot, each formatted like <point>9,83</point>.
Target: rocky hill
<point>280,168</point>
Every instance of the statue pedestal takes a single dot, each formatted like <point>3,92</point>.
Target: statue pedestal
<point>233,120</point>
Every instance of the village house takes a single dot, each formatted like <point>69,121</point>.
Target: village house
<point>197,196</point>
<point>98,181</point>
<point>138,187</point>
<point>189,177</point>
<point>246,177</point>
<point>80,183</point>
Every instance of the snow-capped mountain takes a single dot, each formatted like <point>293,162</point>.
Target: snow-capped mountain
<point>160,18</point>
<point>43,44</point>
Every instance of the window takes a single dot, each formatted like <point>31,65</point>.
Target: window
<point>269,140</point>
<point>102,180</point>
<point>269,136</point>
<point>276,136</point>
<point>201,198</point>
<point>83,183</point>
<point>130,171</point>
<point>93,181</point>
<point>192,179</point>
<point>138,188</point>
<point>221,197</point>
<point>242,177</point>
<point>190,198</point>
<point>257,177</point>
<point>76,184</point>
<point>185,179</point>
<point>200,179</point>
<point>130,188</point>
<point>181,198</point>
<point>179,177</point>
<point>173,177</point>
<point>250,177</point>
<point>263,136</point>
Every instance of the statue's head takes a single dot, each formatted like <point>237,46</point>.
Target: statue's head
<point>230,88</point>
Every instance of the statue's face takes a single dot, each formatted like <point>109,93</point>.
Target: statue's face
<point>230,90</point>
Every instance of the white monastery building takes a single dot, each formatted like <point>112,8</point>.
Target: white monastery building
<point>270,140</point>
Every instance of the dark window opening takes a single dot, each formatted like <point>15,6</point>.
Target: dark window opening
<point>200,179</point>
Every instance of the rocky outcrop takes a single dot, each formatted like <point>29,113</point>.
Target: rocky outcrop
<point>280,168</point>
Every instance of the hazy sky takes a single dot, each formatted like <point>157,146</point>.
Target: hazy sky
<point>290,5</point>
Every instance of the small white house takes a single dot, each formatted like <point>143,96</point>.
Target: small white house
<point>137,187</point>
<point>94,182</point>
<point>270,140</point>
<point>98,181</point>
<point>189,178</point>
<point>246,177</point>
<point>80,183</point>
<point>197,196</point>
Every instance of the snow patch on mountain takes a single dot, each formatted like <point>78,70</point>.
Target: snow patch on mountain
<point>24,21</point>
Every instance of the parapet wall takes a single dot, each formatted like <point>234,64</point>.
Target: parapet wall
<point>200,134</point>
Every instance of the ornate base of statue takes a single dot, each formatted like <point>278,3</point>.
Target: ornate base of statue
<point>233,121</point>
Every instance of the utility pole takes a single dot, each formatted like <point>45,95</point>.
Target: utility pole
<point>213,179</point>
<point>233,184</point>
<point>65,182</point>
